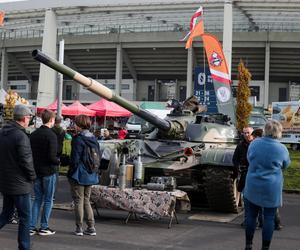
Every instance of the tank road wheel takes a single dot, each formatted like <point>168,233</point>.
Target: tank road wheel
<point>221,190</point>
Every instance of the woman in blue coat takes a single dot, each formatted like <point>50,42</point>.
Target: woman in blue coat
<point>80,177</point>
<point>267,158</point>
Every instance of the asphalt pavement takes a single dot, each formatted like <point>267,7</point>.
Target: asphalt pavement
<point>113,233</point>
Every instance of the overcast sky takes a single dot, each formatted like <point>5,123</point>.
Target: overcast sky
<point>9,5</point>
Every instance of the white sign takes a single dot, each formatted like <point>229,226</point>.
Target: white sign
<point>223,94</point>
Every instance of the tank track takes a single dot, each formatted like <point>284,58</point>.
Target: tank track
<point>220,189</point>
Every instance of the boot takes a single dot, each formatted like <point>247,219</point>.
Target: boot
<point>248,247</point>
<point>248,244</point>
<point>266,245</point>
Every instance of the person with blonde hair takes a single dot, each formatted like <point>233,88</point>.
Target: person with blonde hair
<point>267,158</point>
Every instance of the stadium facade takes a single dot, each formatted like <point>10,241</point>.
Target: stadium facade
<point>135,47</point>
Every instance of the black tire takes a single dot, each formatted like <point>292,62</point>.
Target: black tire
<point>221,190</point>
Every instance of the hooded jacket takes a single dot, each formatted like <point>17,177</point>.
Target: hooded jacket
<point>77,169</point>
<point>60,135</point>
<point>16,163</point>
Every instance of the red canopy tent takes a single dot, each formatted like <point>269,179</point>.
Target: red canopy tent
<point>53,107</point>
<point>76,108</point>
<point>110,109</point>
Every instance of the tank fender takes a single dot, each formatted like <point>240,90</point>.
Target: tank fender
<point>217,156</point>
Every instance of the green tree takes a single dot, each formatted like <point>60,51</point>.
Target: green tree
<point>243,107</point>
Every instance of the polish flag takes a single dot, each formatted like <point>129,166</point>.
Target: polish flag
<point>194,18</point>
<point>197,14</point>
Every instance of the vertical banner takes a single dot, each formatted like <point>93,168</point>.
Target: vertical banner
<point>2,16</point>
<point>219,73</point>
<point>204,89</point>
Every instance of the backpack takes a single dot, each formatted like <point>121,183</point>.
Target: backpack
<point>91,158</point>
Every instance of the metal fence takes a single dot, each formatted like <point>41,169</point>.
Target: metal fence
<point>133,28</point>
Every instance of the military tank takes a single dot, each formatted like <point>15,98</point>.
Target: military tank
<point>197,149</point>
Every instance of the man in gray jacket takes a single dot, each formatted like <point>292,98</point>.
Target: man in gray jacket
<point>16,173</point>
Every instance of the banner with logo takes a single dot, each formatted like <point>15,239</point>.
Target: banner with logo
<point>220,75</point>
<point>204,89</point>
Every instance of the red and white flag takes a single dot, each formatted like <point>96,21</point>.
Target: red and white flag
<point>194,18</point>
<point>193,21</point>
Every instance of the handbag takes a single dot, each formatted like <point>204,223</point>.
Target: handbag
<point>83,177</point>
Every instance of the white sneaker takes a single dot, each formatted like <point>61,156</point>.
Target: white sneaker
<point>46,231</point>
<point>90,231</point>
<point>34,232</point>
<point>78,231</point>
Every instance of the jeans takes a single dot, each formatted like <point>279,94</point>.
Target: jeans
<point>22,203</point>
<point>251,212</point>
<point>44,188</point>
<point>81,197</point>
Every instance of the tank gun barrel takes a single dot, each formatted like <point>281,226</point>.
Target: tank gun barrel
<point>100,89</point>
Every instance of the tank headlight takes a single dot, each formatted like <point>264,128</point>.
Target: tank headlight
<point>188,152</point>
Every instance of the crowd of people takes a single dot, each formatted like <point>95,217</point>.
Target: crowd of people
<point>261,179</point>
<point>35,159</point>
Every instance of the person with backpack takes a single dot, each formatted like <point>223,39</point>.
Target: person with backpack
<point>83,173</point>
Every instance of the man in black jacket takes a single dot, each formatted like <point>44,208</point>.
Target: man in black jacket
<point>44,149</point>
<point>240,160</point>
<point>16,172</point>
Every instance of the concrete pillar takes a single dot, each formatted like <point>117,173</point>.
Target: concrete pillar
<point>4,69</point>
<point>46,92</point>
<point>267,75</point>
<point>119,69</point>
<point>176,90</point>
<point>156,90</point>
<point>134,89</point>
<point>189,79</point>
<point>227,33</point>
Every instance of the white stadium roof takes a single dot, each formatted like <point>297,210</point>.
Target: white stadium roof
<point>135,16</point>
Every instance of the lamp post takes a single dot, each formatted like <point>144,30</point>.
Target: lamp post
<point>60,78</point>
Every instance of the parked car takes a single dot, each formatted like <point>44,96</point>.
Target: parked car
<point>136,125</point>
<point>257,120</point>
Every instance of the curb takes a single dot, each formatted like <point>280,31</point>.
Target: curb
<point>292,191</point>
<point>63,206</point>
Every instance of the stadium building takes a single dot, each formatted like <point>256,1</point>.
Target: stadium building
<point>136,48</point>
